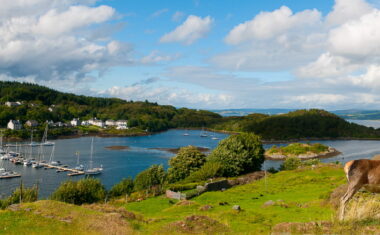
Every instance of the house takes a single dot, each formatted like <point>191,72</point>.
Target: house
<point>85,123</point>
<point>31,123</point>
<point>111,123</point>
<point>12,104</point>
<point>75,122</point>
<point>50,123</point>
<point>122,124</point>
<point>99,123</point>
<point>14,125</point>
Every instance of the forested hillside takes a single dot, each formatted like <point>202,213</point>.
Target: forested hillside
<point>298,124</point>
<point>37,100</point>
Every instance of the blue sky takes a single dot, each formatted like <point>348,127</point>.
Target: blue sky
<point>199,53</point>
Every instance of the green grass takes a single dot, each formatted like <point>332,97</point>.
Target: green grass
<point>296,149</point>
<point>301,193</point>
<point>299,196</point>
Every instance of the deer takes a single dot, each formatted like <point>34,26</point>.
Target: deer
<point>359,173</point>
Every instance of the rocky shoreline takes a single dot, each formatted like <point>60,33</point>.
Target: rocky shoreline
<point>331,152</point>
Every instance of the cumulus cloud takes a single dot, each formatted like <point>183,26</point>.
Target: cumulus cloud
<point>191,30</point>
<point>346,10</point>
<point>266,25</point>
<point>43,39</point>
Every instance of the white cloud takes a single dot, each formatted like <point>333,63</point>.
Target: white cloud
<point>49,43</point>
<point>56,23</point>
<point>267,25</point>
<point>317,99</point>
<point>346,10</point>
<point>191,30</point>
<point>358,38</point>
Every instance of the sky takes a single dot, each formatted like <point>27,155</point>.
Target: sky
<point>206,54</point>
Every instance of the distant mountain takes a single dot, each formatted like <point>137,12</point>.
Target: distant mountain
<point>244,112</point>
<point>356,114</point>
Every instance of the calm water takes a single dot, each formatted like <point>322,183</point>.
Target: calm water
<point>119,164</point>
<point>368,123</point>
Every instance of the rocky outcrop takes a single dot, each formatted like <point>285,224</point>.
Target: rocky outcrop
<point>331,152</point>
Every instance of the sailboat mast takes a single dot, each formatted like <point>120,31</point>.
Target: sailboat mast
<point>92,151</point>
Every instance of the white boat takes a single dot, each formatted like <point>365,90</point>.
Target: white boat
<point>203,133</point>
<point>37,165</point>
<point>27,163</point>
<point>44,141</point>
<point>91,170</point>
<point>214,138</point>
<point>79,167</point>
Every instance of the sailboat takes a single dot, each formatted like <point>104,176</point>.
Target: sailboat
<point>186,133</point>
<point>203,134</point>
<point>44,141</point>
<point>91,170</point>
<point>51,162</point>
<point>79,167</point>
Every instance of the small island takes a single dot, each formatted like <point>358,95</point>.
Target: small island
<point>175,150</point>
<point>301,150</point>
<point>117,147</point>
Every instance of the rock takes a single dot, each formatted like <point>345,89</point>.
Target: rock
<point>269,203</point>
<point>205,208</point>
<point>223,203</point>
<point>236,207</point>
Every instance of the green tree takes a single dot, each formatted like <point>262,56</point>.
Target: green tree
<point>151,179</point>
<point>189,159</point>
<point>88,190</point>
<point>239,154</point>
<point>125,186</point>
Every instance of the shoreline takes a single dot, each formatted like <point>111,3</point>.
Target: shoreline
<point>110,135</point>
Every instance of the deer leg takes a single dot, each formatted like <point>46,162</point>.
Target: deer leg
<point>352,189</point>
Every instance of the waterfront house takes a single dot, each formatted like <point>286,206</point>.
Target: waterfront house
<point>14,125</point>
<point>75,122</point>
<point>122,124</point>
<point>31,123</point>
<point>50,123</point>
<point>12,104</point>
<point>99,123</point>
<point>111,123</point>
<point>85,123</point>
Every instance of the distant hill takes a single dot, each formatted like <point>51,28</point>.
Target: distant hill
<point>359,114</point>
<point>244,112</point>
<point>41,103</point>
<point>298,124</point>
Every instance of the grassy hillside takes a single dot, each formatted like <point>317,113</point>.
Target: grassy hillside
<point>288,196</point>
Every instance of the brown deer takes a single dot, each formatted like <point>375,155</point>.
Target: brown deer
<point>359,173</point>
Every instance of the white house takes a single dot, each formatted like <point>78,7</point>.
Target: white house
<point>122,124</point>
<point>12,104</point>
<point>75,122</point>
<point>14,125</point>
<point>99,123</point>
<point>110,123</point>
<point>31,123</point>
<point>85,123</point>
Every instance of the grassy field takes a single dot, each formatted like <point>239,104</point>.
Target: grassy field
<point>288,196</point>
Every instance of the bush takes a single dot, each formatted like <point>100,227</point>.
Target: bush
<point>239,154</point>
<point>125,186</point>
<point>25,194</point>
<point>291,163</point>
<point>272,170</point>
<point>88,190</point>
<point>311,162</point>
<point>207,171</point>
<point>189,159</point>
<point>151,179</point>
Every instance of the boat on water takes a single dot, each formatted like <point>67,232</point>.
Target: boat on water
<point>78,167</point>
<point>203,133</point>
<point>44,141</point>
<point>214,138</point>
<point>37,165</point>
<point>91,170</point>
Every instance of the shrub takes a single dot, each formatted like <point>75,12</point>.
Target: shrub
<point>207,171</point>
<point>151,179</point>
<point>272,170</point>
<point>291,163</point>
<point>311,162</point>
<point>25,194</point>
<point>239,154</point>
<point>88,190</point>
<point>189,159</point>
<point>125,186</point>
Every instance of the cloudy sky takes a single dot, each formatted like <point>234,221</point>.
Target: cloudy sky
<point>199,53</point>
